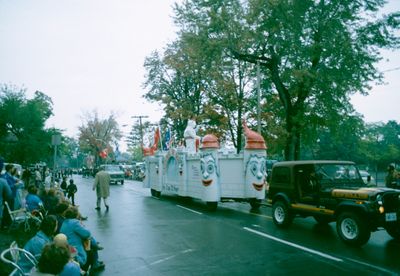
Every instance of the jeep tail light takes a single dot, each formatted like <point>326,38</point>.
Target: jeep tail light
<point>381,209</point>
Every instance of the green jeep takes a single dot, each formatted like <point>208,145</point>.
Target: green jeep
<point>333,191</point>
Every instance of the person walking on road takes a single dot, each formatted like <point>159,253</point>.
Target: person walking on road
<point>71,190</point>
<point>102,187</point>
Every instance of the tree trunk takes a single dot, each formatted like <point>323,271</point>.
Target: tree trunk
<point>293,128</point>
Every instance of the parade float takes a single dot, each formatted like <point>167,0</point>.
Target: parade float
<point>202,170</point>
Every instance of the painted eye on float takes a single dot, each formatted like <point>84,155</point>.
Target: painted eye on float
<point>202,166</point>
<point>210,168</point>
<point>253,168</point>
<point>262,167</point>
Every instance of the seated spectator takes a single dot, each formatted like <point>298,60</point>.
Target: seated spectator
<point>60,209</point>
<point>60,213</point>
<point>36,244</point>
<point>72,267</point>
<point>79,236</point>
<point>50,201</point>
<point>52,260</point>
<point>32,200</point>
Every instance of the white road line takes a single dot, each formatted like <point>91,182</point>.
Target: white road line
<point>259,215</point>
<point>180,206</point>
<point>373,266</point>
<point>294,245</point>
<point>171,257</point>
<point>164,259</point>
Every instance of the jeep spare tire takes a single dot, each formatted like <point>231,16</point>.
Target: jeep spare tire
<point>281,215</point>
<point>352,229</point>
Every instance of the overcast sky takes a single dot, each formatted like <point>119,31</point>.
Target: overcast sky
<point>89,54</point>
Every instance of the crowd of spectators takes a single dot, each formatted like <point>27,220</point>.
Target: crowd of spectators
<point>74,251</point>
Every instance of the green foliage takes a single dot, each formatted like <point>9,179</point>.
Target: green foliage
<point>23,137</point>
<point>314,54</point>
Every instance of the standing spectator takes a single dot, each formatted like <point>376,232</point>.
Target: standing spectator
<point>19,185</point>
<point>47,180</point>
<point>6,220</point>
<point>26,177</point>
<point>102,187</point>
<point>71,190</point>
<point>5,191</point>
<point>38,178</point>
<point>391,177</point>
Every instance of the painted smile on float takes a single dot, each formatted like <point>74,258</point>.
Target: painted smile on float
<point>207,182</point>
<point>258,187</point>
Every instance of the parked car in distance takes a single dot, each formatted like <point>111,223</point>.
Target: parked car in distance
<point>139,171</point>
<point>367,178</point>
<point>333,191</point>
<point>115,172</point>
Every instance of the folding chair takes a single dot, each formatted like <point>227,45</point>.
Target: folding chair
<point>13,254</point>
<point>17,216</point>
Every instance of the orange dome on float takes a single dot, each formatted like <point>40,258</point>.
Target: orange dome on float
<point>210,141</point>
<point>254,140</point>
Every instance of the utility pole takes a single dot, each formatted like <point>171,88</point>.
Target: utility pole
<point>140,117</point>
<point>258,99</point>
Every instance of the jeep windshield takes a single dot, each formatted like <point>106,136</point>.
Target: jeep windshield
<point>338,175</point>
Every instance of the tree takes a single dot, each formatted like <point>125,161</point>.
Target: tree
<point>23,137</point>
<point>381,143</point>
<point>204,83</point>
<point>97,135</point>
<point>177,82</point>
<point>135,137</point>
<point>315,54</point>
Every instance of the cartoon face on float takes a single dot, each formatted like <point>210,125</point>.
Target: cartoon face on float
<point>255,172</point>
<point>209,170</point>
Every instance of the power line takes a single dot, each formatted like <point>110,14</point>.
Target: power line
<point>390,70</point>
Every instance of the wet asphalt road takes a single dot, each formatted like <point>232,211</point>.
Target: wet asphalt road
<point>143,235</point>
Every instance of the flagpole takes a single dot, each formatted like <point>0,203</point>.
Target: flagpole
<point>159,130</point>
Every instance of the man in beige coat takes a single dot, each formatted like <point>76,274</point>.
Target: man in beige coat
<point>102,187</point>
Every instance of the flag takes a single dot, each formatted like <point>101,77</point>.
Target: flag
<point>103,154</point>
<point>167,139</point>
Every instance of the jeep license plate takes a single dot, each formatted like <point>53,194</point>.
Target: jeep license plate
<point>391,216</point>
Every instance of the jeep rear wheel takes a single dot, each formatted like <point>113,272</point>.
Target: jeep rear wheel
<point>393,231</point>
<point>281,215</point>
<point>352,229</point>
